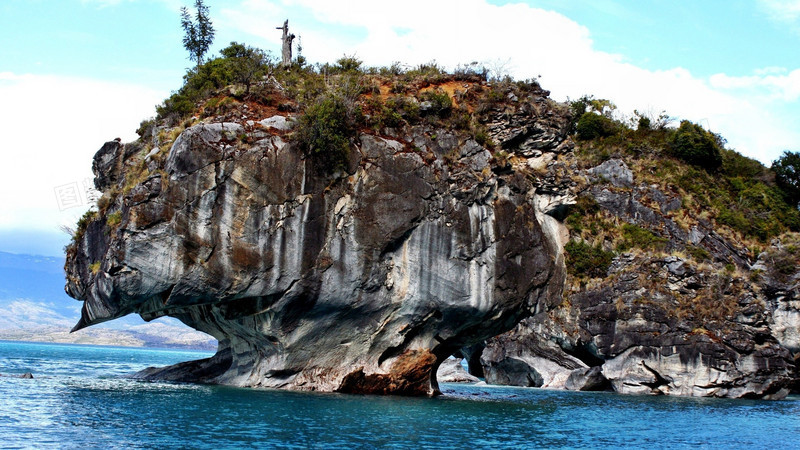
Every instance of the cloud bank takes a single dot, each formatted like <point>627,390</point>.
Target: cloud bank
<point>51,128</point>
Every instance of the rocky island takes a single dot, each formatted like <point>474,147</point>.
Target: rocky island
<point>348,229</point>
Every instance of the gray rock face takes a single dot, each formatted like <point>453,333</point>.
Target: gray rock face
<point>588,379</point>
<point>280,123</point>
<point>615,171</point>
<point>451,371</point>
<point>638,340</point>
<point>426,246</point>
<point>780,285</point>
<point>515,131</point>
<point>659,324</point>
<point>26,375</point>
<point>361,283</point>
<point>521,359</point>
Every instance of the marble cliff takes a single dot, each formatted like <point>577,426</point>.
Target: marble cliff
<point>360,281</point>
<point>430,239</point>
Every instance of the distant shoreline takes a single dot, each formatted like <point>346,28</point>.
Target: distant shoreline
<point>193,349</point>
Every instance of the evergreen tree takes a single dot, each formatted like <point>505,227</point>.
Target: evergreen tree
<point>199,33</point>
<point>787,175</point>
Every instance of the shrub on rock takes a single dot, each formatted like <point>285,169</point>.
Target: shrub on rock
<point>592,126</point>
<point>696,146</point>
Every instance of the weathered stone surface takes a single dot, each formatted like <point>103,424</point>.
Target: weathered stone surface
<point>651,341</point>
<point>426,245</point>
<point>588,379</point>
<point>517,132</point>
<point>615,171</point>
<point>451,371</point>
<point>26,376</point>
<point>530,362</point>
<point>361,283</point>
<point>280,123</point>
<point>780,284</point>
<point>105,165</point>
<point>660,324</point>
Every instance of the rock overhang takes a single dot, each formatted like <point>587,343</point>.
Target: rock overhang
<point>308,281</point>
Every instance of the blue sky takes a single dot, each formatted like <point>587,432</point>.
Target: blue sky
<point>76,73</point>
<point>707,36</point>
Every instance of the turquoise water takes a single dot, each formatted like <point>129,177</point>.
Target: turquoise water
<point>78,399</point>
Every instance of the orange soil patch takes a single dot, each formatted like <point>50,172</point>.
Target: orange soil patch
<point>450,87</point>
<point>256,111</point>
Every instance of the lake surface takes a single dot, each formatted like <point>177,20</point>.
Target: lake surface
<point>78,399</point>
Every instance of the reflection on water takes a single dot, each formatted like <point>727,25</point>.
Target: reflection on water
<point>78,399</point>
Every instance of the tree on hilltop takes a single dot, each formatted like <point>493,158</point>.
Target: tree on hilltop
<point>247,64</point>
<point>787,175</point>
<point>696,146</point>
<point>199,33</point>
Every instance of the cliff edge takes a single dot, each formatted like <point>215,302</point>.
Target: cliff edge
<point>348,230</point>
<point>360,274</point>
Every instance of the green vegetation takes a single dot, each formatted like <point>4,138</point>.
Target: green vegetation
<point>83,223</point>
<point>787,176</point>
<point>114,219</point>
<point>246,64</point>
<point>237,64</point>
<point>740,196</point>
<point>785,260</point>
<point>324,131</point>
<point>696,146</point>
<point>439,100</point>
<point>582,214</point>
<point>699,254</point>
<point>199,33</point>
<point>592,126</point>
<point>638,237</point>
<point>584,260</point>
<point>345,64</point>
<point>738,193</point>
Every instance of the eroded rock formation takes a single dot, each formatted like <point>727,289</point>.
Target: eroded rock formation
<point>364,281</point>
<point>656,324</point>
<point>429,244</point>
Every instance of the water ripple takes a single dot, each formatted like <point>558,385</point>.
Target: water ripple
<point>80,398</point>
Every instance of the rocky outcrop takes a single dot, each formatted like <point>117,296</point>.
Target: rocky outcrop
<point>26,376</point>
<point>451,371</point>
<point>363,281</point>
<point>779,278</point>
<point>426,244</point>
<point>658,323</point>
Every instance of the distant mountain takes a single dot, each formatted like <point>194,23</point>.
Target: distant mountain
<point>35,308</point>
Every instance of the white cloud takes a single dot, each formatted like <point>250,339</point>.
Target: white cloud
<point>774,83</point>
<point>51,128</point>
<point>771,70</point>
<point>786,11</point>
